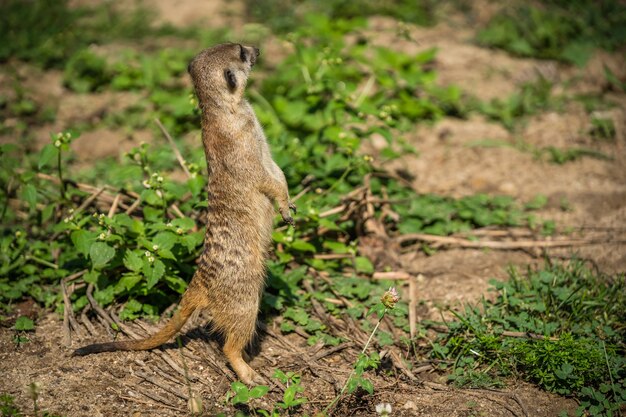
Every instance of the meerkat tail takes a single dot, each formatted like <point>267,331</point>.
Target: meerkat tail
<point>172,327</point>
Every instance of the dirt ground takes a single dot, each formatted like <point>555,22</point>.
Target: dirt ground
<point>153,383</point>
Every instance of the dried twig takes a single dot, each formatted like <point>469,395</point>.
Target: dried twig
<point>162,385</point>
<point>392,275</point>
<point>179,156</point>
<point>113,209</point>
<point>413,306</point>
<point>332,351</point>
<point>465,243</point>
<point>133,206</point>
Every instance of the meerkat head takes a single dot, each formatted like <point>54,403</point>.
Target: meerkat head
<point>220,74</point>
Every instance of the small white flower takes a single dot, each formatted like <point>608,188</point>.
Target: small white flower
<point>102,236</point>
<point>155,247</point>
<point>147,253</point>
<point>150,259</point>
<point>168,224</point>
<point>160,179</point>
<point>179,231</point>
<point>384,409</point>
<point>146,183</point>
<point>57,143</point>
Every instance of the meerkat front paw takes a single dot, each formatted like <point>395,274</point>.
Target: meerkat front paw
<point>286,214</point>
<point>293,207</point>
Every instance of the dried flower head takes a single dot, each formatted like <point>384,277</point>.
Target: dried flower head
<point>390,298</point>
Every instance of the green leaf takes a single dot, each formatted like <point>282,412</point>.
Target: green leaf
<point>367,385</point>
<point>176,283</point>
<point>363,265</point>
<point>82,240</point>
<point>101,254</point>
<point>23,323</point>
<point>29,194</point>
<point>259,391</point>
<point>165,240</point>
<point>133,261</point>
<point>153,272</point>
<point>302,246</point>
<point>127,282</point>
<point>46,155</point>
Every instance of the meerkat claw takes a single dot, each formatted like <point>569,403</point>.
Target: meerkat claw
<point>293,207</point>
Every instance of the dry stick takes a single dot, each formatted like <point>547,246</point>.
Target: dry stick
<point>160,384</point>
<point>413,306</point>
<point>332,351</point>
<point>464,243</point>
<point>133,206</point>
<point>89,200</point>
<point>137,400</point>
<point>332,211</point>
<point>67,306</point>
<point>165,375</point>
<point>95,305</point>
<point>86,322</point>
<point>174,365</point>
<point>113,209</point>
<point>392,275</point>
<point>179,156</point>
<point>157,398</point>
<point>177,211</point>
<point>330,256</point>
<point>301,193</point>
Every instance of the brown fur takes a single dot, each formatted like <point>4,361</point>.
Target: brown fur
<point>243,183</point>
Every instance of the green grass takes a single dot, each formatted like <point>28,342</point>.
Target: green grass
<point>283,16</point>
<point>568,31</point>
<point>560,327</point>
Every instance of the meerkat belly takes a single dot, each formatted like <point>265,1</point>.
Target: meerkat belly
<point>237,239</point>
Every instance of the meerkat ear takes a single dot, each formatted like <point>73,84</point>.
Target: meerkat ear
<point>243,54</point>
<point>231,79</point>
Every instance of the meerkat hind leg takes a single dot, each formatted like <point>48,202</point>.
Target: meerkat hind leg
<point>234,351</point>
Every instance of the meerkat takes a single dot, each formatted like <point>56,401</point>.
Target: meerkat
<point>243,184</point>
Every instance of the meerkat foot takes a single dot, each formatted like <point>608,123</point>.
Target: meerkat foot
<point>234,353</point>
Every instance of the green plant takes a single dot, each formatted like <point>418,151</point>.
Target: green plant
<point>532,98</point>
<point>567,31</point>
<point>559,327</point>
<point>291,399</point>
<point>7,406</point>
<point>356,380</point>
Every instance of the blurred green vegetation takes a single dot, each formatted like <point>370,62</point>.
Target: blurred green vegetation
<point>558,29</point>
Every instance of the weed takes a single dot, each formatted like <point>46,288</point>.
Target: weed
<point>561,328</point>
<point>288,15</point>
<point>532,98</point>
<point>291,400</point>
<point>567,31</point>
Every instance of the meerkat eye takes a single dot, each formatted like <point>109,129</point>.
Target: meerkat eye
<point>243,54</point>
<point>231,79</point>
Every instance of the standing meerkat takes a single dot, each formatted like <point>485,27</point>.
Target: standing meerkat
<point>243,184</point>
